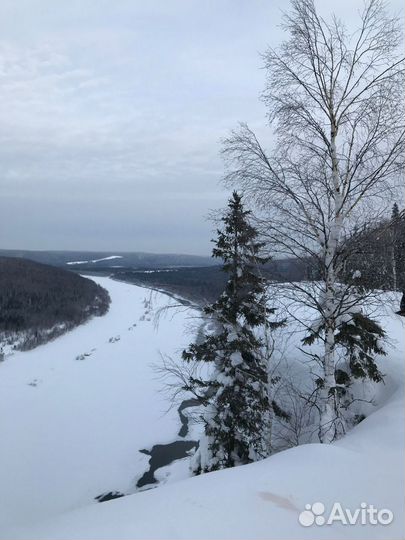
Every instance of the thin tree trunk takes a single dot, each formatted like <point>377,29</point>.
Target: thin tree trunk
<point>331,424</point>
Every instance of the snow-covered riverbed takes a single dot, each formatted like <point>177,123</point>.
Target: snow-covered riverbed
<point>75,412</point>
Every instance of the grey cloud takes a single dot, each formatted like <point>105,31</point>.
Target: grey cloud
<point>111,115</point>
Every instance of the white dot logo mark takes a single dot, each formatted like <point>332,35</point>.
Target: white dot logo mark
<point>312,514</point>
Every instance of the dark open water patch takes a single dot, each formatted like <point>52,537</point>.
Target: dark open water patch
<point>109,496</point>
<point>162,455</point>
<point>193,402</point>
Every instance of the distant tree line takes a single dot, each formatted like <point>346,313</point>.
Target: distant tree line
<point>377,253</point>
<point>39,302</point>
<point>204,284</point>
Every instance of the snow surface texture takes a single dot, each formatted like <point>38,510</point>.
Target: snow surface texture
<point>77,433</point>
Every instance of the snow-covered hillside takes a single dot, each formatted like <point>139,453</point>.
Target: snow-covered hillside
<point>72,426</point>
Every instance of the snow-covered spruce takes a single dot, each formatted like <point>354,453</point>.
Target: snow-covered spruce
<point>360,340</point>
<point>238,411</point>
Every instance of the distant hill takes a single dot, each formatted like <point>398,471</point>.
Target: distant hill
<point>39,302</point>
<point>204,284</point>
<point>199,284</point>
<point>83,260</point>
<point>196,278</point>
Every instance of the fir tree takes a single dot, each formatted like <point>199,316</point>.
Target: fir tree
<point>237,413</point>
<point>395,212</point>
<point>360,339</point>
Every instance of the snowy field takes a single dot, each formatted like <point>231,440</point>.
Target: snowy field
<point>76,411</point>
<point>72,428</point>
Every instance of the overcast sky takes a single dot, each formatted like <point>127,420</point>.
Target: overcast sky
<point>111,113</point>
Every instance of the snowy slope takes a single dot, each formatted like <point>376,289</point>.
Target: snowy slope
<point>75,412</point>
<point>262,500</point>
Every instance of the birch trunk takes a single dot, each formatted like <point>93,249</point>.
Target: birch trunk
<point>331,424</point>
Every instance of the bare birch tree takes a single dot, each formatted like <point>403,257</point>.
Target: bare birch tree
<point>334,99</point>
